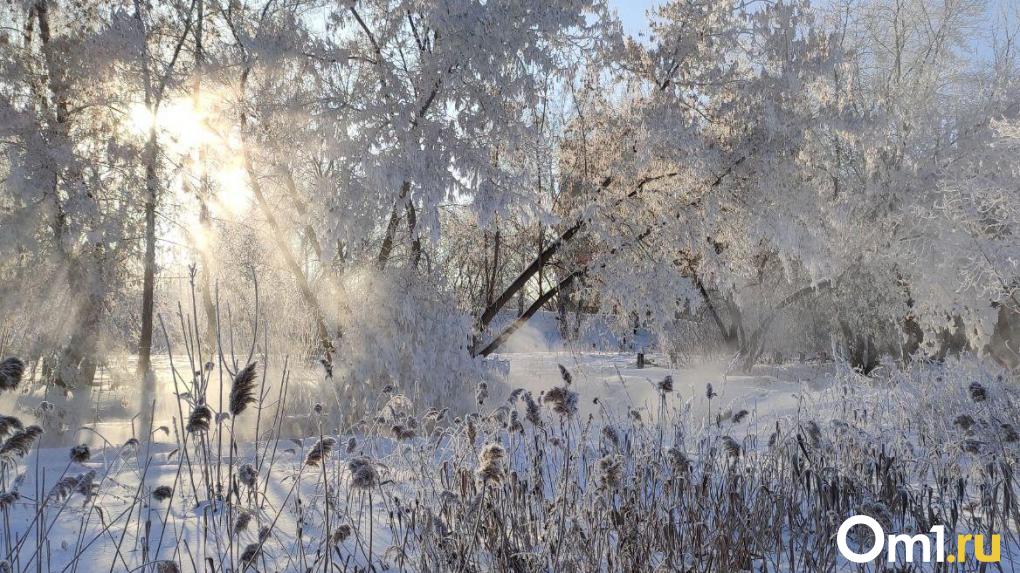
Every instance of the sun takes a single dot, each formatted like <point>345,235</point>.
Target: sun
<point>183,124</point>
<point>194,136</point>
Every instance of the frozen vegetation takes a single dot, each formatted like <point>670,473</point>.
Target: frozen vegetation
<point>599,466</point>
<point>493,285</point>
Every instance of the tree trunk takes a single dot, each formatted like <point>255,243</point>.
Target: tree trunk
<point>77,362</point>
<point>391,228</point>
<point>149,277</point>
<point>204,219</point>
<point>519,322</point>
<point>522,279</point>
<point>205,283</point>
<point>412,230</point>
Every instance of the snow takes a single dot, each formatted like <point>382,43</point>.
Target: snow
<point>124,471</point>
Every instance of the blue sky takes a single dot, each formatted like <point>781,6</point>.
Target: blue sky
<point>632,14</point>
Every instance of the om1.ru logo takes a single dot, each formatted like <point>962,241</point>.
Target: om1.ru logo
<point>909,544</point>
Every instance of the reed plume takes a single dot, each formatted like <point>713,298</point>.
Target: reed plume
<point>162,493</point>
<point>611,470</point>
<point>243,520</point>
<point>8,498</point>
<point>249,554</point>
<point>363,473</point>
<point>9,424</point>
<point>11,371</point>
<point>490,463</point>
<point>562,400</point>
<point>568,379</point>
<point>247,475</point>
<point>167,567</point>
<point>199,419</point>
<point>242,393</point>
<point>320,451</point>
<point>731,447</point>
<point>20,443</point>
<point>80,454</point>
<point>532,412</point>
<point>977,392</point>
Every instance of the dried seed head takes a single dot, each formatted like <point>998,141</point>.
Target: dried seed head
<point>879,511</point>
<point>320,451</point>
<point>731,446</point>
<point>492,453</point>
<point>515,395</point>
<point>400,432</point>
<point>678,460</point>
<point>352,444</point>
<point>709,391</point>
<point>565,374</point>
<point>20,443</point>
<point>199,419</point>
<point>610,433</point>
<point>1009,433</point>
<point>87,485</point>
<point>977,392</point>
<point>5,566</point>
<point>247,475</point>
<point>80,454</point>
<point>9,498</point>
<point>490,463</point>
<point>532,412</point>
<point>9,425</point>
<point>363,473</point>
<point>64,488</point>
<point>250,553</point>
<point>242,393</point>
<point>666,385</point>
<point>341,534</point>
<point>562,400</point>
<point>481,393</point>
<point>11,371</point>
<point>514,424</point>
<point>739,416</point>
<point>963,421</point>
<point>243,520</point>
<point>162,493</point>
<point>167,567</point>
<point>611,470</point>
<point>814,432</point>
<point>264,532</point>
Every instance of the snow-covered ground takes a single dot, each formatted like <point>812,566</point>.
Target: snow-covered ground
<point>125,527</point>
<point>615,380</point>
